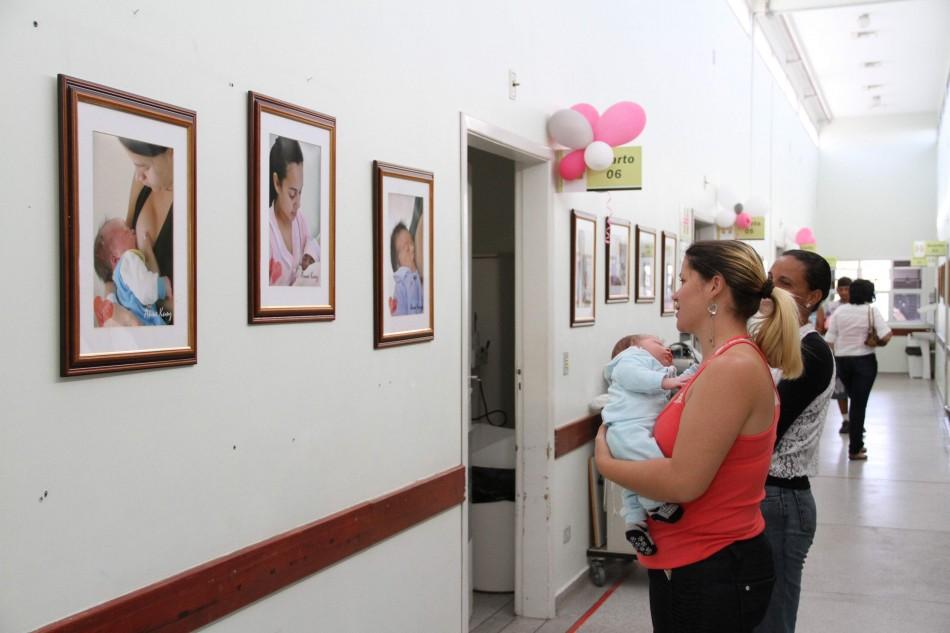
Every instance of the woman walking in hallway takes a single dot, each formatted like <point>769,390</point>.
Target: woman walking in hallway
<point>713,570</point>
<point>848,333</point>
<point>789,506</point>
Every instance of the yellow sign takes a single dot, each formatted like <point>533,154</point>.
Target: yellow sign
<point>755,232</point>
<point>624,173</point>
<point>922,249</point>
<point>809,247</point>
<point>918,261</point>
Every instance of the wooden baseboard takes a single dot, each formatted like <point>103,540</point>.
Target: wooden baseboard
<point>575,434</point>
<point>200,595</point>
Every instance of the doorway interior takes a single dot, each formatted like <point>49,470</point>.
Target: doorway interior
<point>506,403</point>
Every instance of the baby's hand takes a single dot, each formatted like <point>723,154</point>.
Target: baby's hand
<point>674,383</point>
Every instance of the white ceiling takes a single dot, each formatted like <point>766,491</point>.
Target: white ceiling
<point>910,39</point>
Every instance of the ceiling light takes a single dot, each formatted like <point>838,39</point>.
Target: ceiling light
<point>864,20</point>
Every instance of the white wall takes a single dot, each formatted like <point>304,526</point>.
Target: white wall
<point>278,425</point>
<point>877,187</point>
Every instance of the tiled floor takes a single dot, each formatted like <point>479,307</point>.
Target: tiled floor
<point>881,558</point>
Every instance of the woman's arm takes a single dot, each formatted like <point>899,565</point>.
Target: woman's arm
<point>884,332</point>
<point>715,413</point>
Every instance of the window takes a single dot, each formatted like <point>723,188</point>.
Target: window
<point>897,285</point>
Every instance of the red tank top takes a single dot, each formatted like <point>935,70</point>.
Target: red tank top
<point>729,509</point>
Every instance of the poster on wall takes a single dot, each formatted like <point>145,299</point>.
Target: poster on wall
<point>403,263</point>
<point>617,254</point>
<point>668,267</point>
<point>291,212</point>
<point>127,231</point>
<point>625,173</point>
<point>646,265</point>
<point>583,263</point>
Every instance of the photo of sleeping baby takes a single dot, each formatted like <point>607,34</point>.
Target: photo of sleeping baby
<point>133,251</point>
<point>405,222</point>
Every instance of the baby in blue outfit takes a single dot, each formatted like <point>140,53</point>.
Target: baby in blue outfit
<point>407,286</point>
<point>640,376</point>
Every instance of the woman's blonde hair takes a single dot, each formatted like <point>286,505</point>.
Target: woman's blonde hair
<point>774,331</point>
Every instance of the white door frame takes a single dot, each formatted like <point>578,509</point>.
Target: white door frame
<point>534,360</point>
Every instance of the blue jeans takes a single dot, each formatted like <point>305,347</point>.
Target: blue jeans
<point>790,521</point>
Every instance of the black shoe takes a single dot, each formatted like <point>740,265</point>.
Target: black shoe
<point>640,538</point>
<point>845,427</point>
<point>667,513</point>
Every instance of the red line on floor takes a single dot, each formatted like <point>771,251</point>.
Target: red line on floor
<point>577,625</point>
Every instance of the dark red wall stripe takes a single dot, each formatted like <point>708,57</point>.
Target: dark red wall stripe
<point>575,434</point>
<point>210,591</point>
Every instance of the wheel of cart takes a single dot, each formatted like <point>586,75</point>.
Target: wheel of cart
<point>597,558</point>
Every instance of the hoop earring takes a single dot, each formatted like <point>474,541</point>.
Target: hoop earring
<point>712,309</point>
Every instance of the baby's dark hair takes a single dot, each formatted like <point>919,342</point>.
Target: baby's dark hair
<point>102,254</point>
<point>393,255</point>
<point>628,341</point>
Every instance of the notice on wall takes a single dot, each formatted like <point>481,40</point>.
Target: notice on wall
<point>926,252</point>
<point>756,231</point>
<point>625,173</point>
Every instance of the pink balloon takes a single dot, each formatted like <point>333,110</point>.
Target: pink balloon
<point>572,166</point>
<point>743,220</point>
<point>621,123</point>
<point>589,112</point>
<point>805,236</point>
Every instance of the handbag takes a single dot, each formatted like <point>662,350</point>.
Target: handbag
<point>872,339</point>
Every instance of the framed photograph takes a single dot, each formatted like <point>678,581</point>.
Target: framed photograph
<point>403,263</point>
<point>291,212</point>
<point>668,266</point>
<point>583,263</point>
<point>617,250</point>
<point>646,264</point>
<point>127,236</point>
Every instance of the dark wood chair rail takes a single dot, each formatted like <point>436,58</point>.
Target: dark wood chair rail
<point>200,595</point>
<point>575,434</point>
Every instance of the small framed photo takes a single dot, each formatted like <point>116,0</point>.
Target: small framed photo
<point>618,261</point>
<point>127,237</point>
<point>291,212</point>
<point>403,263</point>
<point>668,259</point>
<point>583,264</point>
<point>646,264</point>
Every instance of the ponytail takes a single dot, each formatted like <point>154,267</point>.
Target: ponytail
<point>776,334</point>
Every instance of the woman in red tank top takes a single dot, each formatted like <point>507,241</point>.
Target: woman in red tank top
<point>713,568</point>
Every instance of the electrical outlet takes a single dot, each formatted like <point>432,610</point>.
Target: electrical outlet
<point>567,534</point>
<point>567,364</point>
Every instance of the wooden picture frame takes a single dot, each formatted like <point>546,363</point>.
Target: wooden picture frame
<point>403,255</point>
<point>617,256</point>
<point>583,267</point>
<point>668,257</point>
<point>291,212</point>
<point>127,232</point>
<point>645,264</point>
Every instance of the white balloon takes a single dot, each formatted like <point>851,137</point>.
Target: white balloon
<point>727,198</point>
<point>725,218</point>
<point>571,129</point>
<point>599,156</point>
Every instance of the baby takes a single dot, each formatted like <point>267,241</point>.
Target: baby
<point>639,376</point>
<point>137,286</point>
<point>407,286</point>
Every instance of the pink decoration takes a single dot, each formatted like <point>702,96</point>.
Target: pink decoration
<point>621,123</point>
<point>743,220</point>
<point>589,112</point>
<point>572,166</point>
<point>804,236</point>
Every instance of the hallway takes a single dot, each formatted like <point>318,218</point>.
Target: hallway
<point>881,557</point>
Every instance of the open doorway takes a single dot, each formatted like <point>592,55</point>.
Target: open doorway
<point>506,369</point>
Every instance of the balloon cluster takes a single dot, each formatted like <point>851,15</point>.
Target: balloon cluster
<point>804,237</point>
<point>728,211</point>
<point>593,136</point>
